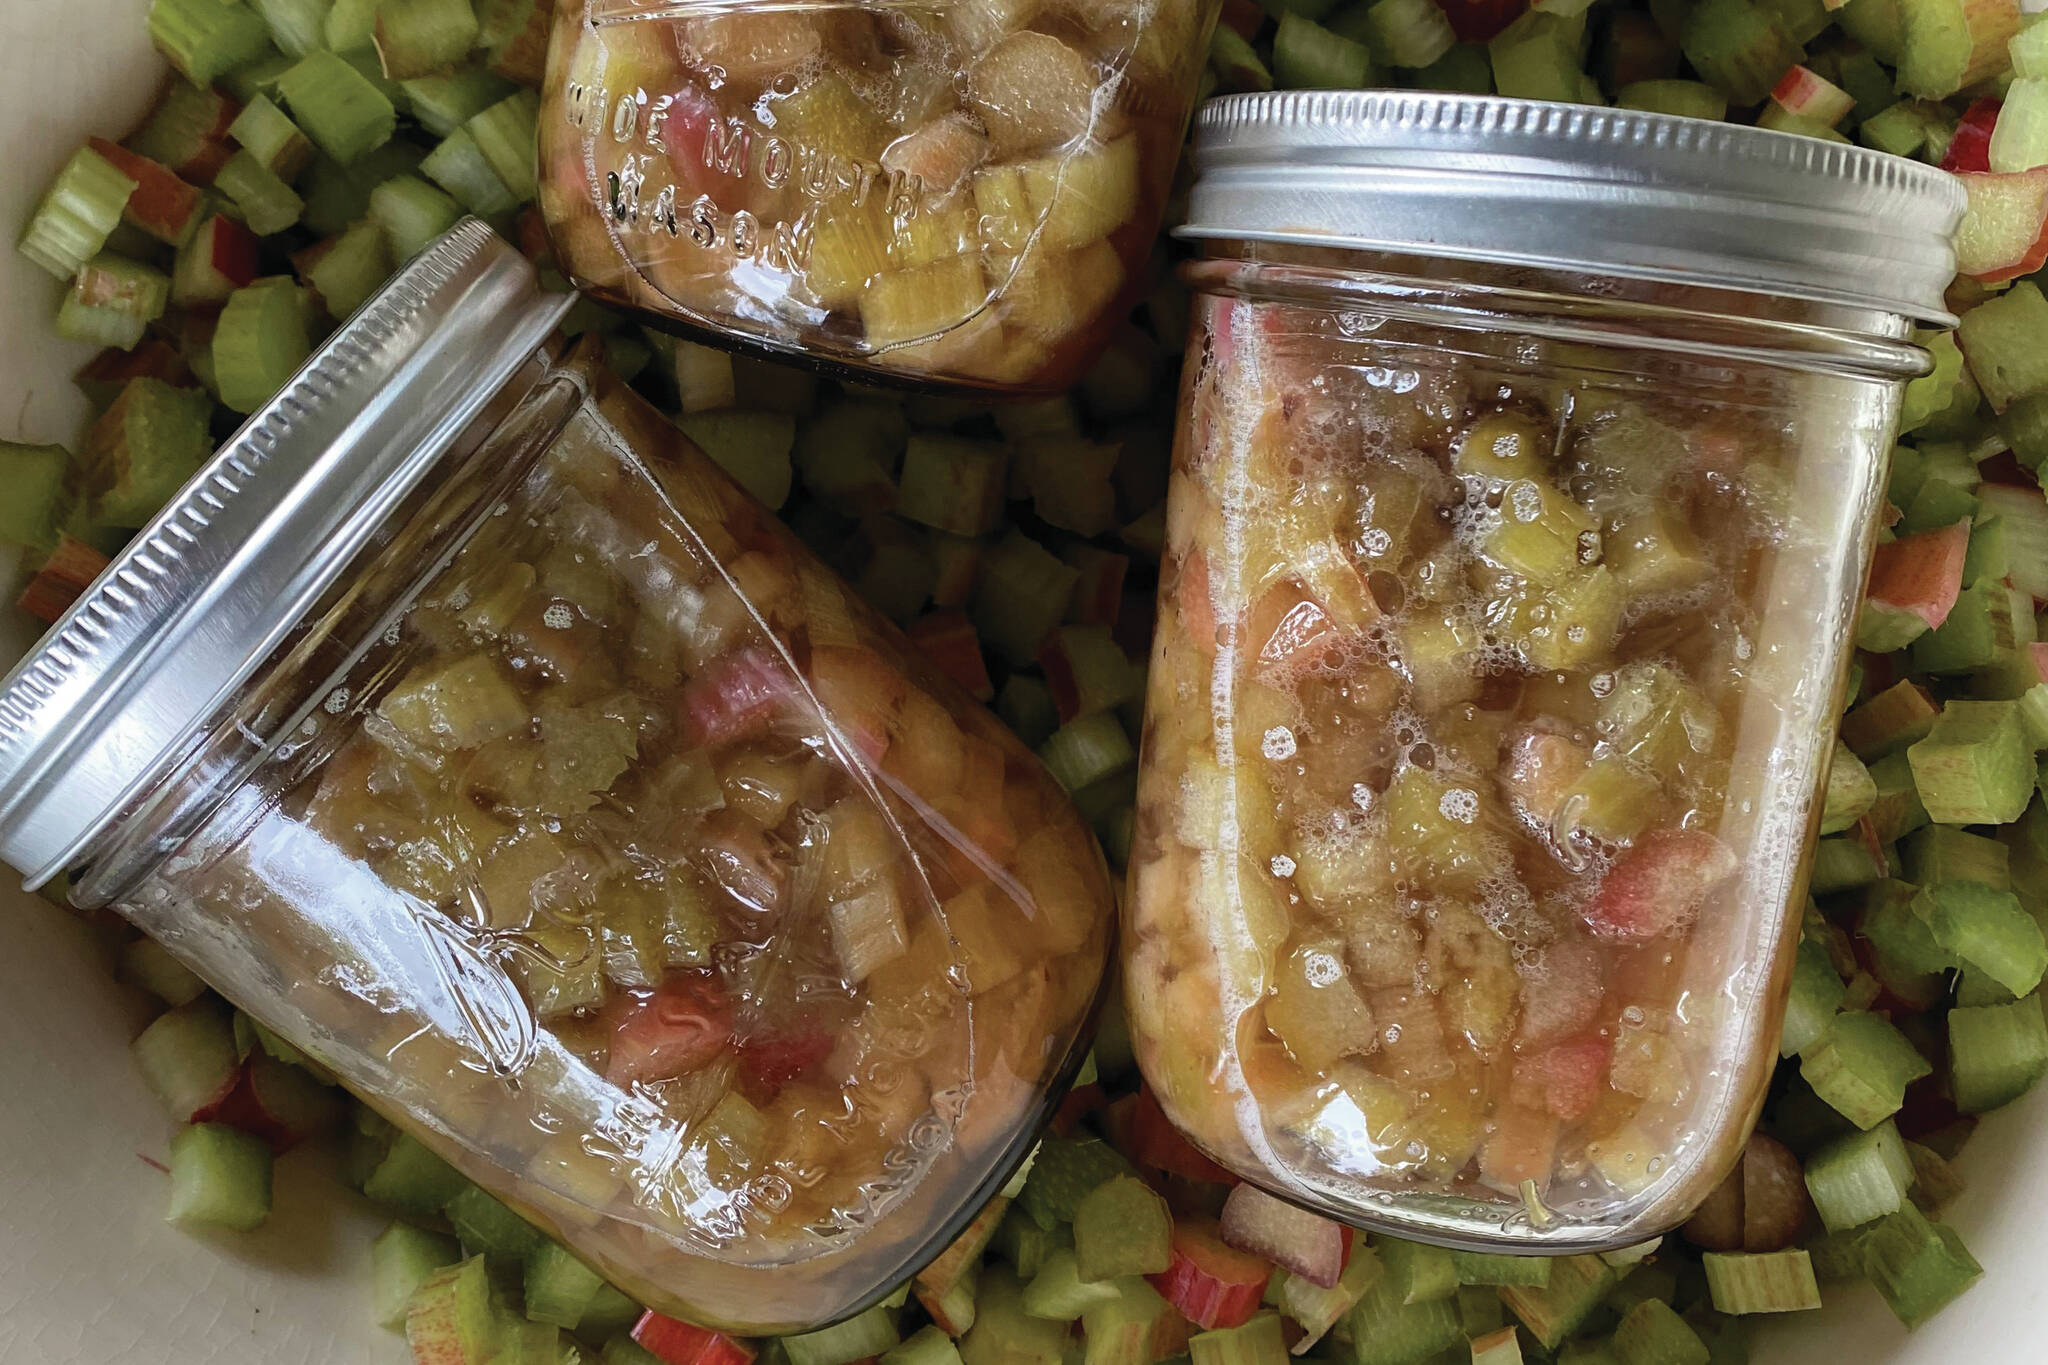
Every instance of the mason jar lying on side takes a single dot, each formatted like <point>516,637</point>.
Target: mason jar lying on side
<point>469,728</point>
<point>954,191</point>
<point>1528,470</point>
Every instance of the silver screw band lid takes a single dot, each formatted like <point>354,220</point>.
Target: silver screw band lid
<point>1598,191</point>
<point>204,593</point>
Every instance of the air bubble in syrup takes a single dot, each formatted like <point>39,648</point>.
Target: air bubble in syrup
<point>336,702</point>
<point>1321,969</point>
<point>558,616</point>
<point>1460,804</point>
<point>1278,743</point>
<point>1282,865</point>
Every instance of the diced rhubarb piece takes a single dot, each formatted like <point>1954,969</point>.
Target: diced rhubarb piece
<point>1151,1140</point>
<point>108,373</point>
<point>768,1063</point>
<point>450,1320</point>
<point>1805,92</point>
<point>1948,45</point>
<point>1302,1243</point>
<point>69,571</point>
<point>1212,1284</point>
<point>222,256</point>
<point>1976,766</point>
<point>1970,148</point>
<point>2004,232</point>
<point>1890,721</point>
<point>735,697</point>
<point>187,1058</point>
<point>948,639</point>
<point>1658,886</point>
<point>1914,583</point>
<point>1087,670</point>
<point>219,1178</point>
<point>682,1026</point>
<point>187,131</point>
<point>162,205</point>
<point>680,1343</point>
<point>964,1252</point>
<point>1564,1080</point>
<point>1122,1227</point>
<point>278,1103</point>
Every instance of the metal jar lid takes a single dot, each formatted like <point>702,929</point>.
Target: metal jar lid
<point>1603,192</point>
<point>203,595</point>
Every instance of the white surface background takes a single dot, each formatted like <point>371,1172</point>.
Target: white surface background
<point>89,1273</point>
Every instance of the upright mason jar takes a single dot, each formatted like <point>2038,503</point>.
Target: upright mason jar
<point>960,191</point>
<point>1528,469</point>
<point>473,731</point>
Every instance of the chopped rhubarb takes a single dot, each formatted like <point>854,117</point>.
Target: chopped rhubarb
<point>735,697</point>
<point>69,571</point>
<point>680,1343</point>
<point>162,205</point>
<point>1658,886</point>
<point>963,1254</point>
<point>1299,1242</point>
<point>278,1103</point>
<point>1970,148</point>
<point>1480,21</point>
<point>680,1027</point>
<point>1212,1284</point>
<point>768,1062</point>
<point>1921,573</point>
<point>948,639</point>
<point>1805,92</point>
<point>2004,232</point>
<point>223,256</point>
<point>106,374</point>
<point>1152,1140</point>
<point>1564,1080</point>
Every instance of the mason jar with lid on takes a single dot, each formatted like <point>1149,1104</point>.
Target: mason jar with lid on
<point>470,729</point>
<point>958,191</point>
<point>1529,464</point>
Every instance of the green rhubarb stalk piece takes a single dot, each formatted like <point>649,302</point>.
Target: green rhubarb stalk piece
<point>1996,1053</point>
<point>1122,1227</point>
<point>1558,1309</point>
<point>402,1259</point>
<point>1976,766</point>
<point>451,1320</point>
<point>1862,1068</point>
<point>1917,1265</point>
<point>77,214</point>
<point>1890,721</point>
<point>1859,1178</point>
<point>1986,929</point>
<point>1387,1331</point>
<point>1258,1340</point>
<point>1817,992</point>
<point>1652,1333</point>
<point>220,1177</point>
<point>1849,794</point>
<point>1943,853</point>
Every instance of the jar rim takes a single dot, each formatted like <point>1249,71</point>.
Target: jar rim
<point>190,609</point>
<point>1579,189</point>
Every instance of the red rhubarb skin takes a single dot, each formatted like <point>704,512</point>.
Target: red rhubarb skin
<point>1210,1284</point>
<point>1970,148</point>
<point>680,1343</point>
<point>1658,886</point>
<point>1921,573</point>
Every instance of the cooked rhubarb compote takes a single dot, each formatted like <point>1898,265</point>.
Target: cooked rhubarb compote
<point>954,190</point>
<point>1480,753</point>
<point>694,914</point>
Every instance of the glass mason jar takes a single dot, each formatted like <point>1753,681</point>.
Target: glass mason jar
<point>1528,468</point>
<point>960,191</point>
<point>469,728</point>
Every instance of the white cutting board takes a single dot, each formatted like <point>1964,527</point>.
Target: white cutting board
<point>89,1272</point>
